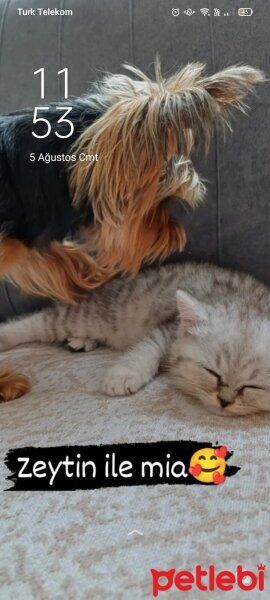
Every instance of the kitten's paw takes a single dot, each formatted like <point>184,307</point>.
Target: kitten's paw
<point>80,344</point>
<point>5,343</point>
<point>122,381</point>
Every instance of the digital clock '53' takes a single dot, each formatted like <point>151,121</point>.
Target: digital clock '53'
<point>65,109</point>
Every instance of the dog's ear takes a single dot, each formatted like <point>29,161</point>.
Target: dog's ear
<point>230,86</point>
<point>198,102</point>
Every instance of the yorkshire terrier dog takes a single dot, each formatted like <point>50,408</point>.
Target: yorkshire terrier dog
<point>143,133</point>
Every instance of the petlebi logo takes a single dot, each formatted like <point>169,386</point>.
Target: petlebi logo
<point>208,579</point>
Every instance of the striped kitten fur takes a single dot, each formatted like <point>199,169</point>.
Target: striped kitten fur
<point>210,327</point>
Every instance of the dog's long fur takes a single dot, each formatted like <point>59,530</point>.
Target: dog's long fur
<point>143,132</point>
<point>144,141</point>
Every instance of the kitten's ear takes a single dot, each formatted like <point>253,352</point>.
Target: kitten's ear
<point>191,311</point>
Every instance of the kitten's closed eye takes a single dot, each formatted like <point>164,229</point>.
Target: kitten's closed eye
<point>241,390</point>
<point>214,373</point>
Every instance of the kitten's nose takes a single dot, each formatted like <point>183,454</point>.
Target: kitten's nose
<point>223,403</point>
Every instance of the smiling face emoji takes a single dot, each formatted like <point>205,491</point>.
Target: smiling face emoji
<point>208,465</point>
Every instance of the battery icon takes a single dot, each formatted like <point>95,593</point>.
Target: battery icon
<point>245,12</point>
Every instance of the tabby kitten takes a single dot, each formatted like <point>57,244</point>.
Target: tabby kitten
<point>210,325</point>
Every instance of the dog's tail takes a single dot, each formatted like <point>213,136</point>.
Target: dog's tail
<point>149,122</point>
<point>62,272</point>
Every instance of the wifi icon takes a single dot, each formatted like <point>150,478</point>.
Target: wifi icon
<point>205,11</point>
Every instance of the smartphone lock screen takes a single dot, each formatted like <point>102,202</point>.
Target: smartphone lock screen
<point>134,299</point>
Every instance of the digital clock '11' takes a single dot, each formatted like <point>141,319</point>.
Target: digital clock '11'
<point>64,109</point>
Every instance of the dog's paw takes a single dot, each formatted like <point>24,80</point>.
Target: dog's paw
<point>122,381</point>
<point>80,344</point>
<point>12,384</point>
